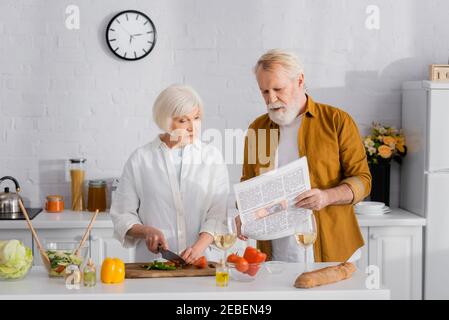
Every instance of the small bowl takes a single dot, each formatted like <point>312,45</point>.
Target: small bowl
<point>247,276</point>
<point>275,267</point>
<point>62,251</point>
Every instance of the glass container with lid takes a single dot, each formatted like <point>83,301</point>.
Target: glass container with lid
<point>96,198</point>
<point>77,175</point>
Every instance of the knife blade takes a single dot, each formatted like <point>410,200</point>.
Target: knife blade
<point>171,256</point>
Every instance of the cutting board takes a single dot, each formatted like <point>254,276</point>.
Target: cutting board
<point>136,271</point>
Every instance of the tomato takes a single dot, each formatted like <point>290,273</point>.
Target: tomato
<point>253,255</point>
<point>233,258</point>
<point>253,269</point>
<point>241,264</point>
<point>59,269</point>
<point>201,263</point>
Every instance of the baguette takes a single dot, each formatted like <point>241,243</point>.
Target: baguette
<point>325,275</point>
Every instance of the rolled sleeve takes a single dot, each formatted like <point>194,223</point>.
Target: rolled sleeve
<point>125,203</point>
<point>356,172</point>
<point>357,188</point>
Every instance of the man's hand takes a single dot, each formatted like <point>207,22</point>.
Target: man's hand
<point>238,223</point>
<point>314,199</point>
<point>154,237</point>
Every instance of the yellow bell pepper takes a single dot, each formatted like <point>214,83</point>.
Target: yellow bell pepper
<point>112,270</point>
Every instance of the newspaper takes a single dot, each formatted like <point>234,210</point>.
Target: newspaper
<point>266,203</point>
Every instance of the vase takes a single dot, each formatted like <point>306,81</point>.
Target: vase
<point>380,184</point>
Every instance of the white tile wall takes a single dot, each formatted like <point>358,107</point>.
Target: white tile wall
<point>62,94</point>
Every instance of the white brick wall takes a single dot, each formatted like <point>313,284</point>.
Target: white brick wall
<point>63,94</point>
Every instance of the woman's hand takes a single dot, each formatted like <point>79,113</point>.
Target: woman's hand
<point>154,237</point>
<point>238,223</point>
<point>193,253</point>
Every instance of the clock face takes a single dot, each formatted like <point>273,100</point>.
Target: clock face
<point>131,35</point>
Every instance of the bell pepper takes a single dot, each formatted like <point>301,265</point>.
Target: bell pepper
<point>112,270</point>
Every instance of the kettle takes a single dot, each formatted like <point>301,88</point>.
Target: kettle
<point>9,201</point>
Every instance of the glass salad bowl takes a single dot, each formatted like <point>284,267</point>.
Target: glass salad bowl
<point>62,254</point>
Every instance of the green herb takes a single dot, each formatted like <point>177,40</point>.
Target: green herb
<point>159,265</point>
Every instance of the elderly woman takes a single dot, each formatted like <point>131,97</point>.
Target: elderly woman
<point>173,190</point>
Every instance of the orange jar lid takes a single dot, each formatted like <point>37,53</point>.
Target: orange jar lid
<point>55,198</point>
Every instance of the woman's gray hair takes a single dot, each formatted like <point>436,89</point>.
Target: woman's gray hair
<point>175,101</point>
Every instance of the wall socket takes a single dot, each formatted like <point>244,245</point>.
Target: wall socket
<point>439,72</point>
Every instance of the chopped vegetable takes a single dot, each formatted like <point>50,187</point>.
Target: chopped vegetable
<point>60,259</point>
<point>15,259</point>
<point>201,263</point>
<point>160,265</point>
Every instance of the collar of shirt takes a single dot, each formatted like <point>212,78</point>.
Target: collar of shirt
<point>158,143</point>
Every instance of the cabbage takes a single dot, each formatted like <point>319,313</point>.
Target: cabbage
<point>15,259</point>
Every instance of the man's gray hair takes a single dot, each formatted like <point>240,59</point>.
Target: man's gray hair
<point>288,60</point>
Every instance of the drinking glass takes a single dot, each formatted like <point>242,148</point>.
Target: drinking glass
<point>225,235</point>
<point>305,234</point>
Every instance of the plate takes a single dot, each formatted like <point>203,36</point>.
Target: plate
<point>370,205</point>
<point>373,212</point>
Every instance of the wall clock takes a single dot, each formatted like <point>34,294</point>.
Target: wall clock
<point>131,35</point>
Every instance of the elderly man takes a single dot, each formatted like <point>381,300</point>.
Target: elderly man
<point>330,140</point>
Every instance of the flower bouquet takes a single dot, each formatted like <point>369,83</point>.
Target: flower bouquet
<point>383,144</point>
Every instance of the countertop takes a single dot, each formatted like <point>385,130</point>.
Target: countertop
<point>71,219</point>
<point>397,217</point>
<point>37,285</point>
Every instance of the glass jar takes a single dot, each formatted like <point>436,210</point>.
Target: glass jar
<point>96,197</point>
<point>54,204</point>
<point>90,274</point>
<point>221,274</point>
<point>77,174</point>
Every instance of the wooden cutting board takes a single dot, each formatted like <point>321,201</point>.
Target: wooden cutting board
<point>136,271</point>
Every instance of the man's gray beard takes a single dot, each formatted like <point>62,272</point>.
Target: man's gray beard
<point>285,118</point>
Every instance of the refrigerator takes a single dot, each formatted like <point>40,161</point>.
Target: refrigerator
<point>425,176</point>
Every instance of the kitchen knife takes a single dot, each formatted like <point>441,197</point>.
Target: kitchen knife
<point>171,256</point>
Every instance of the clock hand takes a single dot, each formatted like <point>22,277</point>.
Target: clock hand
<point>138,34</point>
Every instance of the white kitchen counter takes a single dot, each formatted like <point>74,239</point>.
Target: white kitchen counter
<point>397,217</point>
<point>71,219</point>
<point>37,285</point>
<point>63,220</point>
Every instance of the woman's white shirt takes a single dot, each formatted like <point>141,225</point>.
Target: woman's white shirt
<point>150,193</point>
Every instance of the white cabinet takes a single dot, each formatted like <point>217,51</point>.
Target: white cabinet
<point>397,251</point>
<point>108,246</point>
<point>362,263</point>
<point>100,244</point>
<point>19,234</point>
